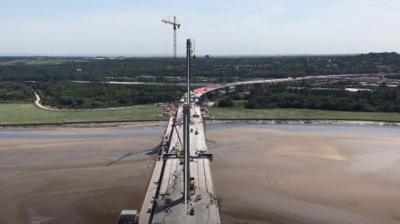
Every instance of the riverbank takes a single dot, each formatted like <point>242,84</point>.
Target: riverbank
<point>162,123</point>
<point>20,114</point>
<point>241,113</point>
<point>25,114</point>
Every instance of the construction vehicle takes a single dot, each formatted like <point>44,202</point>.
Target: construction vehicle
<point>128,217</point>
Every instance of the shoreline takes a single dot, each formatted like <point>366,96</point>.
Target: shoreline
<point>305,121</point>
<point>138,123</point>
<point>89,124</point>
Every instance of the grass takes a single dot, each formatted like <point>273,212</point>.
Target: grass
<point>239,112</point>
<point>26,113</point>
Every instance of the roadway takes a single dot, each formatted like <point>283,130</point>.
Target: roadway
<point>164,201</point>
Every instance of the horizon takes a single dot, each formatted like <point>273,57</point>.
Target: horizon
<point>182,57</point>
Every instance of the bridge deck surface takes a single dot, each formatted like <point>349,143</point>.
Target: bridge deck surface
<point>169,206</point>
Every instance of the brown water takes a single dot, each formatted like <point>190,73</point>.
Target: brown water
<point>262,173</point>
<point>307,174</point>
<point>68,175</point>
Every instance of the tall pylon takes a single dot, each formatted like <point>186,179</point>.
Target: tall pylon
<point>186,117</point>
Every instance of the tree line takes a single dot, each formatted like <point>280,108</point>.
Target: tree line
<point>378,100</point>
<point>100,95</point>
<point>228,68</point>
<point>14,91</point>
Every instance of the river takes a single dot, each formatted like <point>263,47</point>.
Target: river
<point>263,173</point>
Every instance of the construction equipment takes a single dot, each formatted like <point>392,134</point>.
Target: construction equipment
<point>175,26</point>
<point>128,217</point>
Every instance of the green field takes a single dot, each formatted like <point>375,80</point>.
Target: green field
<point>24,113</point>
<point>300,114</point>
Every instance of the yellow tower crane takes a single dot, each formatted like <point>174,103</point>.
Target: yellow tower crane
<point>175,26</point>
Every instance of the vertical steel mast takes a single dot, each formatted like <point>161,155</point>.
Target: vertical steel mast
<point>186,117</point>
<point>175,26</point>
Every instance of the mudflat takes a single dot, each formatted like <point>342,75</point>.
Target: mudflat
<point>74,175</point>
<point>307,174</point>
<point>262,173</point>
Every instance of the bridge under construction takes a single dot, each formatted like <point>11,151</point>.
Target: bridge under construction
<point>181,188</point>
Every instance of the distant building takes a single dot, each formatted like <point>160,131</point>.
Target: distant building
<point>357,90</point>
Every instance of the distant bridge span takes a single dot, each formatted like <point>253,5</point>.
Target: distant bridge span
<point>211,88</point>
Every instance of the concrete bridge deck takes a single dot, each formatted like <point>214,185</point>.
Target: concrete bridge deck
<point>164,201</point>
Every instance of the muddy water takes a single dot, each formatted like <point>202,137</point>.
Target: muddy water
<point>263,173</point>
<point>73,175</point>
<point>307,173</point>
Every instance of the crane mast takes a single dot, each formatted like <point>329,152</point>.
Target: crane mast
<point>175,26</point>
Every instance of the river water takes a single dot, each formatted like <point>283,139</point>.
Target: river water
<point>263,173</point>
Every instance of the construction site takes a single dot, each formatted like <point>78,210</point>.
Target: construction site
<point>233,133</point>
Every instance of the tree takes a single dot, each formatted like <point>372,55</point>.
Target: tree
<point>226,102</point>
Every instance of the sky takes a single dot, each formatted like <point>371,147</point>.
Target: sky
<point>219,27</point>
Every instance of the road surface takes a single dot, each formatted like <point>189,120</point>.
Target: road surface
<point>164,202</point>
